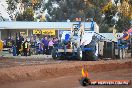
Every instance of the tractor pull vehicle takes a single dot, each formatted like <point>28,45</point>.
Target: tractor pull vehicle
<point>78,43</point>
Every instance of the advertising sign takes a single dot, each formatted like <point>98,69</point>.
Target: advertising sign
<point>44,32</point>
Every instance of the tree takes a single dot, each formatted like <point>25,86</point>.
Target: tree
<point>123,12</point>
<point>123,24</point>
<point>19,17</point>
<point>126,8</point>
<point>103,11</point>
<point>12,5</point>
<point>125,15</point>
<point>65,9</point>
<point>26,16</point>
<point>70,9</point>
<point>35,5</point>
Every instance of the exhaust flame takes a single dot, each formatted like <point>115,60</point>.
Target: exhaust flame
<point>85,73</point>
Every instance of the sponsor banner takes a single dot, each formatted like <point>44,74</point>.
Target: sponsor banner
<point>48,32</point>
<point>44,32</point>
<point>36,31</point>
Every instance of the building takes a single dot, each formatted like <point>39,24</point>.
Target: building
<point>8,29</point>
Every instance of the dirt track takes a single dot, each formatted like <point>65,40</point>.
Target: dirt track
<point>63,75</point>
<point>71,81</point>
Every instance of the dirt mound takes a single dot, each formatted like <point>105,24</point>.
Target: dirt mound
<point>35,72</point>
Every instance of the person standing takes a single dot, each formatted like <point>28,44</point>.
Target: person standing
<point>55,41</point>
<point>45,43</point>
<point>18,46</point>
<point>51,44</point>
<point>25,47</point>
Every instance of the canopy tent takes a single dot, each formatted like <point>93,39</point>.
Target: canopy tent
<point>42,25</point>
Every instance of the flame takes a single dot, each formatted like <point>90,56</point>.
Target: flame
<point>84,73</point>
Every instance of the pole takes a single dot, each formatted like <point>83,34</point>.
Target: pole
<point>27,32</point>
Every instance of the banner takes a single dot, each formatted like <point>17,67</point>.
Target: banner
<point>44,32</point>
<point>36,31</point>
<point>48,32</point>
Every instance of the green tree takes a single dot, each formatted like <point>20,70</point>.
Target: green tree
<point>125,15</point>
<point>26,16</point>
<point>123,24</point>
<point>19,17</point>
<point>28,6</point>
<point>70,9</point>
<point>67,9</point>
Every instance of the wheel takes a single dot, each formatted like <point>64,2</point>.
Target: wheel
<point>88,56</point>
<point>79,54</point>
<point>54,54</point>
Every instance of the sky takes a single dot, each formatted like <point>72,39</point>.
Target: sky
<point>3,11</point>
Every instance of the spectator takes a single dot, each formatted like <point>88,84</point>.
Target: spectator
<point>51,44</point>
<point>45,44</point>
<point>41,47</point>
<point>69,45</point>
<point>21,39</point>
<point>18,46</point>
<point>25,47</point>
<point>55,41</point>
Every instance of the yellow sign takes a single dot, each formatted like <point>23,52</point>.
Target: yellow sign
<point>48,32</point>
<point>36,31</point>
<point>44,32</point>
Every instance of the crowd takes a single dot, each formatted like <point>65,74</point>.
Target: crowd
<point>27,46</point>
<point>48,44</point>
